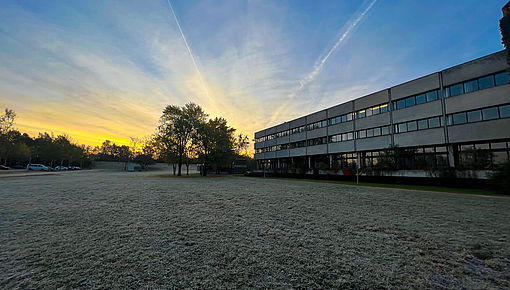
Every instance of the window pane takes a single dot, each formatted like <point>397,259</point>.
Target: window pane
<point>349,116</point>
<point>471,86</point>
<point>401,104</point>
<point>377,131</point>
<point>459,118</point>
<point>431,96</point>
<point>434,122</point>
<point>440,149</point>
<point>502,78</point>
<point>350,136</point>
<point>369,112</point>
<point>486,82</point>
<point>344,137</point>
<point>420,99</point>
<point>410,102</point>
<point>499,157</point>
<point>385,130</point>
<point>423,124</point>
<point>456,90</point>
<point>370,133</point>
<point>449,121</point>
<point>375,110</point>
<point>384,108</point>
<point>411,126</point>
<point>498,145</point>
<point>402,128</point>
<point>362,134</point>
<point>504,111</point>
<point>490,113</point>
<point>361,114</point>
<point>344,118</point>
<point>474,116</point>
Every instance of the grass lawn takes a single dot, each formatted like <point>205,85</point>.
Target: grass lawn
<point>101,229</point>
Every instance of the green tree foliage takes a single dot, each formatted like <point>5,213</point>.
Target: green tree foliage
<point>504,27</point>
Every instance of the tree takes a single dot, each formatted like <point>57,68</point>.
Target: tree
<point>504,27</point>
<point>241,144</point>
<point>7,120</point>
<point>177,125</point>
<point>215,143</point>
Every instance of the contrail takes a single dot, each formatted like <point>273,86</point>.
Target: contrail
<point>189,50</point>
<point>319,64</point>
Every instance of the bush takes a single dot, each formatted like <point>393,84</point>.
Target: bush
<point>500,178</point>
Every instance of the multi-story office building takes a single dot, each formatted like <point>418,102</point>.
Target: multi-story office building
<point>455,118</point>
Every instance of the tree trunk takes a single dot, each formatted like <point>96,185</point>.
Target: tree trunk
<point>173,167</point>
<point>187,168</point>
<point>179,166</point>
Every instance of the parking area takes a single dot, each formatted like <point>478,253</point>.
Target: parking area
<point>106,229</point>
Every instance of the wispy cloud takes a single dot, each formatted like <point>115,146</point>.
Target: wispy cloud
<point>345,32</point>
<point>101,69</point>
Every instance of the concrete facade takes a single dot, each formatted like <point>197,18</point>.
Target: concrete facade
<point>413,126</point>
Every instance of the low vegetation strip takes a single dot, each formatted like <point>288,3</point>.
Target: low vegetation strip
<point>124,230</point>
<point>405,186</point>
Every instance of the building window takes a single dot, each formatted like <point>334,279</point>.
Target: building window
<point>459,118</point>
<point>432,96</point>
<point>402,128</point>
<point>502,78</point>
<point>411,126</point>
<point>471,86</point>
<point>455,90</point>
<point>477,84</point>
<point>410,102</point>
<point>504,111</point>
<point>420,99</point>
<point>434,122</point>
<point>423,124</point>
<point>490,113</point>
<point>474,116</point>
<point>375,110</point>
<point>415,100</point>
<point>486,82</point>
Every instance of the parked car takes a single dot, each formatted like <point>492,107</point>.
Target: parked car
<point>37,167</point>
<point>60,167</point>
<point>75,167</point>
<point>3,167</point>
<point>18,166</point>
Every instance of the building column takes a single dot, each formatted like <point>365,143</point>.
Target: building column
<point>278,163</point>
<point>451,156</point>
<point>309,162</point>
<point>330,161</point>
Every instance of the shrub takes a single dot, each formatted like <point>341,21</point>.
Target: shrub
<point>500,178</point>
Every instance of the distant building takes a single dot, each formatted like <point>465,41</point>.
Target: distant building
<point>457,118</point>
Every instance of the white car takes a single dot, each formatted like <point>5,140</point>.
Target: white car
<point>61,168</point>
<point>37,167</point>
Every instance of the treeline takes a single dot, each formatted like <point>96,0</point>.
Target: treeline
<point>18,148</point>
<point>185,135</point>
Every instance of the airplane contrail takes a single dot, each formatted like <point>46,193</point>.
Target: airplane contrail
<point>320,64</point>
<point>189,50</point>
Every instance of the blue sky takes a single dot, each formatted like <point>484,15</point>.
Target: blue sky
<point>106,69</point>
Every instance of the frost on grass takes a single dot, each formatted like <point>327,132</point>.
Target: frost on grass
<point>131,230</point>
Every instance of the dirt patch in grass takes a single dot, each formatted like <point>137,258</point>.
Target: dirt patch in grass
<point>124,230</point>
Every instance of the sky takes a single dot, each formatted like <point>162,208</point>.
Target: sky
<point>99,70</point>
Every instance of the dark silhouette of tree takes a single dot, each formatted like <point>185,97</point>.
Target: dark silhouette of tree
<point>176,128</point>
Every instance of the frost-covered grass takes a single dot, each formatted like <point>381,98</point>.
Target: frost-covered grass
<point>133,230</point>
